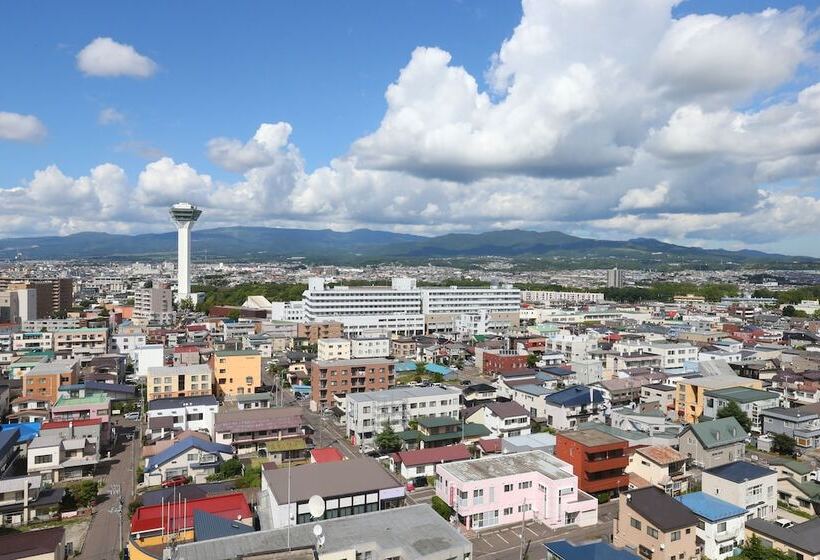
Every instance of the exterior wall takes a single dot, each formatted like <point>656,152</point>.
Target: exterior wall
<point>165,382</point>
<point>81,341</point>
<point>758,497</point>
<point>313,331</point>
<point>46,386</point>
<point>127,344</point>
<point>494,361</point>
<point>595,477</point>
<point>781,546</point>
<point>689,445</point>
<point>722,536</point>
<point>752,409</point>
<point>188,418</point>
<point>662,547</point>
<point>806,432</point>
<point>348,376</point>
<point>146,357</point>
<point>370,347</point>
<point>483,504</point>
<point>333,349</point>
<point>32,341</point>
<point>690,398</point>
<point>237,374</point>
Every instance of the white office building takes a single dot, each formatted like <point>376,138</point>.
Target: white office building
<point>332,349</point>
<point>126,344</point>
<point>147,357</point>
<point>293,311</point>
<point>367,413</point>
<point>561,298</point>
<point>370,346</point>
<point>674,354</point>
<point>443,306</point>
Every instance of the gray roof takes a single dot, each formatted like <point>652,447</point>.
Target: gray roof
<point>803,536</point>
<point>196,369</point>
<point>408,532</point>
<point>399,393</point>
<point>663,511</point>
<point>340,478</point>
<point>494,466</point>
<point>257,419</point>
<point>790,413</point>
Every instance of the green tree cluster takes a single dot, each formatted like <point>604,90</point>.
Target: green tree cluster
<point>733,409</point>
<point>81,494</point>
<point>783,444</point>
<point>753,549</point>
<point>229,469</point>
<point>441,508</point>
<point>388,441</point>
<point>236,295</point>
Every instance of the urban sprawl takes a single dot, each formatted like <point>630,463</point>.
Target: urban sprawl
<point>197,410</point>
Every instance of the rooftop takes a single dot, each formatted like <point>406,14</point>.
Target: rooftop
<point>339,478</point>
<point>660,509</point>
<point>740,471</point>
<point>154,518</point>
<point>326,455</point>
<point>228,353</point>
<point>495,466</point>
<point>600,550</point>
<point>353,362</point>
<point>94,398</point>
<point>592,437</point>
<point>399,393</point>
<point>661,454</point>
<point>803,536</point>
<point>180,402</point>
<point>741,394</point>
<point>576,395</point>
<point>31,544</point>
<point>709,507</point>
<point>716,433</point>
<point>196,369</point>
<point>407,532</point>
<point>258,419</point>
<point>430,455</point>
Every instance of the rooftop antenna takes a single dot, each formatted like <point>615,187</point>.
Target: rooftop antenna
<point>316,507</point>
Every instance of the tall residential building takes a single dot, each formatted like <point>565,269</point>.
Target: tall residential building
<point>237,372</point>
<point>184,216</point>
<point>179,381</point>
<point>153,304</point>
<point>54,296</point>
<point>443,306</point>
<point>336,378</point>
<point>81,342</point>
<point>614,278</point>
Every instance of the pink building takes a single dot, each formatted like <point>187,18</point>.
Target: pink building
<point>502,489</point>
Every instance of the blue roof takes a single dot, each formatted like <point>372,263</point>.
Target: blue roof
<point>576,395</point>
<point>533,389</point>
<point>8,439</point>
<point>740,471</point>
<point>402,367</point>
<point>183,446</point>
<point>709,507</point>
<point>27,430</point>
<point>592,551</point>
<point>435,368</point>
<point>208,526</point>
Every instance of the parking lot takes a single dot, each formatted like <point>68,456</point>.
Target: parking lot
<point>422,495</point>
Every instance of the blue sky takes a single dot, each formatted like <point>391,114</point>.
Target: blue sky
<point>323,67</point>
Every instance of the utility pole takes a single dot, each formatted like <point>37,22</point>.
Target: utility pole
<point>523,515</point>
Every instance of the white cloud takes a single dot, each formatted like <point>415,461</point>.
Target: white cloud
<point>640,199</point>
<point>21,128</point>
<point>165,182</point>
<point>105,57</point>
<point>109,115</point>
<point>268,144</point>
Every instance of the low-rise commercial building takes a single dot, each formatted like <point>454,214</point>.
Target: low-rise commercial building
<point>503,489</point>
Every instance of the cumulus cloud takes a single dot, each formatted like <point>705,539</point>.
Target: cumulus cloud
<point>106,57</point>
<point>109,115</point>
<point>268,144</point>
<point>21,128</point>
<point>572,127</point>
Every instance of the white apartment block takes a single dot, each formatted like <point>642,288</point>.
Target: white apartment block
<point>188,413</point>
<point>443,306</point>
<point>674,354</point>
<point>553,298</point>
<point>373,346</point>
<point>127,344</point>
<point>483,322</point>
<point>50,324</point>
<point>575,348</point>
<point>153,304</point>
<point>147,357</point>
<point>333,349</point>
<point>368,412</point>
<point>291,311</point>
<point>32,341</point>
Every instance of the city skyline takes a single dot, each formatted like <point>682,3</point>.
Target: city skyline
<point>699,131</point>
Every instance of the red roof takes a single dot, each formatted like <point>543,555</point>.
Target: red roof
<point>490,445</point>
<point>180,515</point>
<point>326,455</point>
<point>186,348</point>
<point>431,455</point>
<point>196,328</point>
<point>64,424</point>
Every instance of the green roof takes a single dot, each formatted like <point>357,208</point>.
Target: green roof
<point>810,489</point>
<point>223,353</point>
<point>716,433</point>
<point>95,398</point>
<point>437,421</point>
<point>741,394</point>
<point>798,467</point>
<point>471,430</point>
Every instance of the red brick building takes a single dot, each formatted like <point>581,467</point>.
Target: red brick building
<point>320,329</point>
<point>339,377</point>
<point>598,460</point>
<point>495,361</point>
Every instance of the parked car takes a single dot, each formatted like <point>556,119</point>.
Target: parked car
<point>785,523</point>
<point>466,382</point>
<point>420,481</point>
<point>175,481</point>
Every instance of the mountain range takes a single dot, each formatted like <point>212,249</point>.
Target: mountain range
<point>551,249</point>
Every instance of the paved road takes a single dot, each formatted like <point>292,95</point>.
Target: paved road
<point>117,474</point>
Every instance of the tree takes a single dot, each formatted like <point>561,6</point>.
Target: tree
<point>387,441</point>
<point>783,444</point>
<point>733,409</point>
<point>421,368</point>
<point>532,359</point>
<point>413,425</point>
<point>788,311</point>
<point>84,492</point>
<point>438,377</point>
<point>441,508</point>
<point>753,549</point>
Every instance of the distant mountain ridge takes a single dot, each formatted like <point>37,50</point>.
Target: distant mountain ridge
<point>262,243</point>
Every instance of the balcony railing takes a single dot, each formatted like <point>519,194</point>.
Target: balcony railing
<point>606,464</point>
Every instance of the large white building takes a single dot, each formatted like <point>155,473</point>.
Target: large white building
<point>674,354</point>
<point>367,413</point>
<point>553,298</point>
<point>293,311</point>
<point>403,307</point>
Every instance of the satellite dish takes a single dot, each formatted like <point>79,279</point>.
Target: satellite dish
<point>317,531</point>
<point>316,506</point>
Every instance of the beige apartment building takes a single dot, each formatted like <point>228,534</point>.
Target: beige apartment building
<point>179,381</point>
<point>81,342</point>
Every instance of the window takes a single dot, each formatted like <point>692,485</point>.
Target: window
<point>525,485</point>
<point>249,380</point>
<point>524,508</point>
<point>652,532</point>
<point>675,536</point>
<point>42,459</point>
<point>634,523</point>
<point>721,527</point>
<point>508,487</point>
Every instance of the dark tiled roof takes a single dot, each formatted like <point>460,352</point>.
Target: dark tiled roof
<point>179,402</point>
<point>660,509</point>
<point>803,536</point>
<point>208,526</point>
<point>30,543</point>
<point>576,396</point>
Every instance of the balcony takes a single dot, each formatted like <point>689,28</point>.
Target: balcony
<point>604,484</point>
<point>606,464</point>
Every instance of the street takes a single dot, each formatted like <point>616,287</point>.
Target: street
<point>117,475</point>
